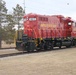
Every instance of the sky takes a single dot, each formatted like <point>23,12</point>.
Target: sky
<point>66,8</point>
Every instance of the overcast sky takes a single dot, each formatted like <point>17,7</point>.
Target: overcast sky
<point>46,7</point>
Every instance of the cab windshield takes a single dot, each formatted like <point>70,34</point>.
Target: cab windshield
<point>32,19</point>
<point>29,19</point>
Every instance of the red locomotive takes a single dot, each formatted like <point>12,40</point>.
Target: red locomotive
<point>42,32</point>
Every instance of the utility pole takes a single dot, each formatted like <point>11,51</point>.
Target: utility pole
<point>24,7</point>
<point>0,28</point>
<point>18,25</point>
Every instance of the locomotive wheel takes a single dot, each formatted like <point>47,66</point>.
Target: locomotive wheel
<point>48,46</point>
<point>45,47</point>
<point>52,47</point>
<point>60,44</point>
<point>68,46</point>
<point>38,49</point>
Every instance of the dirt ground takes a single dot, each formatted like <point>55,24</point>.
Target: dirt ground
<point>57,62</point>
<point>4,45</point>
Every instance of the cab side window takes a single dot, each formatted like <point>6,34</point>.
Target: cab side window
<point>43,19</point>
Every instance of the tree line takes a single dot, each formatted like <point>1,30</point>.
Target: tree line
<point>9,20</point>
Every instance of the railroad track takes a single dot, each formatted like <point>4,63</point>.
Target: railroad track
<point>21,53</point>
<point>11,54</point>
<point>7,48</point>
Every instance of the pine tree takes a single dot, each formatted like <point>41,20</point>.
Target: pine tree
<point>9,29</point>
<point>3,13</point>
<point>18,14</point>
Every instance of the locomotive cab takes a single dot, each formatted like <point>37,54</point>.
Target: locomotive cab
<point>30,21</point>
<point>26,43</point>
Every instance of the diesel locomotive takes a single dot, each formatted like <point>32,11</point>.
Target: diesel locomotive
<point>43,32</point>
